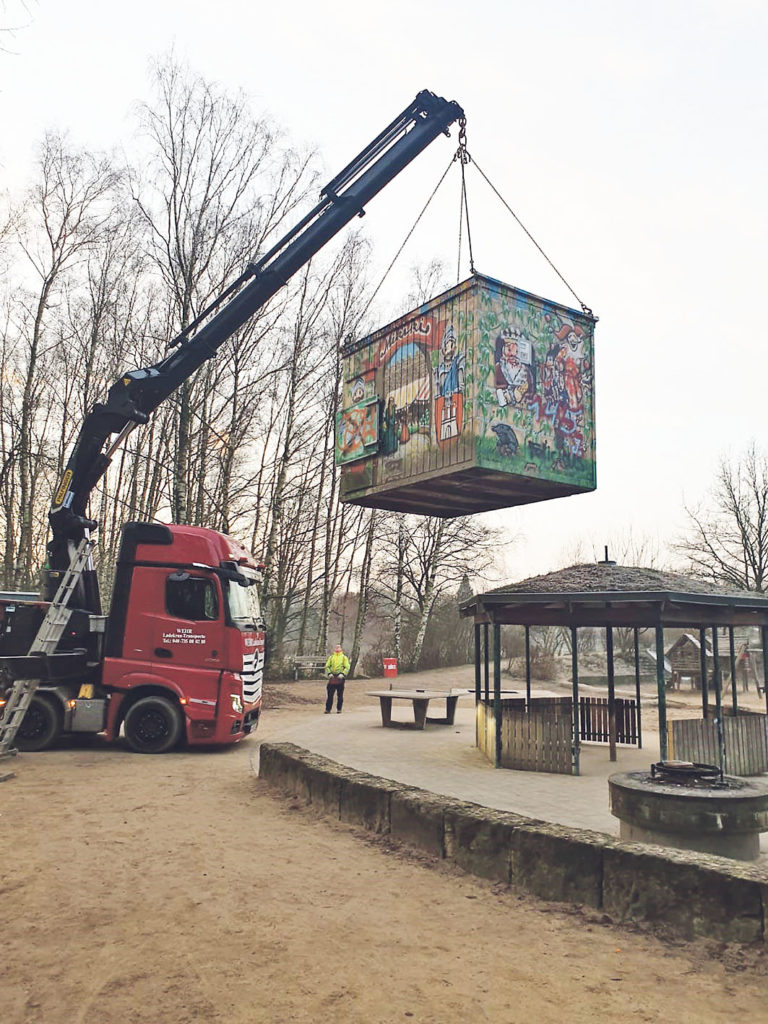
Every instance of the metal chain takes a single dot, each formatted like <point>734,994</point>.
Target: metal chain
<point>461,222</point>
<point>462,155</point>
<point>585,308</point>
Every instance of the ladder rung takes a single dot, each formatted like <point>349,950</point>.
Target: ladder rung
<point>48,636</point>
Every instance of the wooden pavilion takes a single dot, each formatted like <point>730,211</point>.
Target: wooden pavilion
<point>607,596</point>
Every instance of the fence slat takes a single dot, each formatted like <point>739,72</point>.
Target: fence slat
<point>594,724</point>
<point>745,736</point>
<point>535,740</point>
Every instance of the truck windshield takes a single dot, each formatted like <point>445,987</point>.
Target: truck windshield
<point>243,603</point>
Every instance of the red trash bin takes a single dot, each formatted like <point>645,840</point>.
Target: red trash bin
<point>390,666</point>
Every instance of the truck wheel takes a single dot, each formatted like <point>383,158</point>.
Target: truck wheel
<point>40,727</point>
<point>153,725</point>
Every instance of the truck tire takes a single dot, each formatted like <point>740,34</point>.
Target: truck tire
<point>153,725</point>
<point>40,727</point>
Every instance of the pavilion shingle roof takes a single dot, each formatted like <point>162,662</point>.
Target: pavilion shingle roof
<point>604,577</point>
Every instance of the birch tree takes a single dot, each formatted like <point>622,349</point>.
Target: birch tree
<point>433,556</point>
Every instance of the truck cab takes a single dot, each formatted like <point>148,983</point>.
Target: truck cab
<point>184,626</point>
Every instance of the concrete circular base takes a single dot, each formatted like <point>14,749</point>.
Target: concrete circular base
<point>723,818</point>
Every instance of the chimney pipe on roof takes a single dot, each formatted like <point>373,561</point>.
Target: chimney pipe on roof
<point>607,560</point>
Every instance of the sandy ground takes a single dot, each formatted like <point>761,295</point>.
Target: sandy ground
<point>180,889</point>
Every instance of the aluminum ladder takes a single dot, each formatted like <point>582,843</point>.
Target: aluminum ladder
<point>45,642</point>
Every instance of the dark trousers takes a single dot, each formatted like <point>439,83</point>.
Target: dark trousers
<point>335,685</point>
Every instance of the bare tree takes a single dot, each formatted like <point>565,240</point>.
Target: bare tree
<point>65,215</point>
<point>217,185</point>
<point>15,15</point>
<point>432,556</point>
<point>627,547</point>
<point>727,541</point>
<point>364,590</point>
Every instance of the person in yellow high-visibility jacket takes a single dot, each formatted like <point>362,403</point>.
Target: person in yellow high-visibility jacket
<point>336,668</point>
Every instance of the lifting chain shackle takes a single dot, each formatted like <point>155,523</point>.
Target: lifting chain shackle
<point>462,153</point>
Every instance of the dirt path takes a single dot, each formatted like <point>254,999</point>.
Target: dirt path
<point>180,889</point>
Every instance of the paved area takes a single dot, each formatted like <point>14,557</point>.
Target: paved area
<point>444,759</point>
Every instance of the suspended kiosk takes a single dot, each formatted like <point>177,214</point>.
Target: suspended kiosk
<point>480,399</point>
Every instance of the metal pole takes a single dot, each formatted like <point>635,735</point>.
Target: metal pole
<point>486,669</point>
<point>703,668</point>
<point>637,690</point>
<point>716,679</point>
<point>497,688</point>
<point>734,698</point>
<point>764,640</point>
<point>576,753</point>
<point>528,668</point>
<point>478,672</point>
<point>478,682</point>
<point>661,691</point>
<point>611,693</point>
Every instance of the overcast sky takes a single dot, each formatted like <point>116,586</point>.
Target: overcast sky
<point>630,138</point>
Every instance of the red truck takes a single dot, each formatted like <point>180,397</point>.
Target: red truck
<point>180,655</point>
<point>181,652</point>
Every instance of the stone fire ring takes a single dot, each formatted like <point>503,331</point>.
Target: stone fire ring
<point>722,819</point>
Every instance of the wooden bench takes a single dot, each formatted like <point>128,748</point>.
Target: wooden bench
<point>420,700</point>
<point>307,663</point>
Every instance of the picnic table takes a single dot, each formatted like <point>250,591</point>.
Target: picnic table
<point>420,700</point>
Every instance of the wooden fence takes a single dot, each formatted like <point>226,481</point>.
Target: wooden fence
<point>745,738</point>
<point>594,722</point>
<point>537,740</point>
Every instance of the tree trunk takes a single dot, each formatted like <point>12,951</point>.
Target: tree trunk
<point>428,599</point>
<point>364,594</point>
<point>398,623</point>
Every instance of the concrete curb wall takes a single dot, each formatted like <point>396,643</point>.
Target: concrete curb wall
<point>691,895</point>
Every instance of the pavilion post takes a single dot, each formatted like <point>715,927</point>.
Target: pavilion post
<point>703,670</point>
<point>478,680</point>
<point>764,641</point>
<point>662,693</point>
<point>478,668</point>
<point>637,689</point>
<point>497,689</point>
<point>717,681</point>
<point>732,644</point>
<point>611,693</point>
<point>486,660</point>
<point>576,753</point>
<point>528,668</point>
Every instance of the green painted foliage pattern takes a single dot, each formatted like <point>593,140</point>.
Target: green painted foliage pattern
<point>539,452</point>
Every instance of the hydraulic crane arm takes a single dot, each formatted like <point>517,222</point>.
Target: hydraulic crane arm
<point>136,394</point>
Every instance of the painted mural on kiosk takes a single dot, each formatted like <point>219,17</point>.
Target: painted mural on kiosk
<point>485,374</point>
<point>534,387</point>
